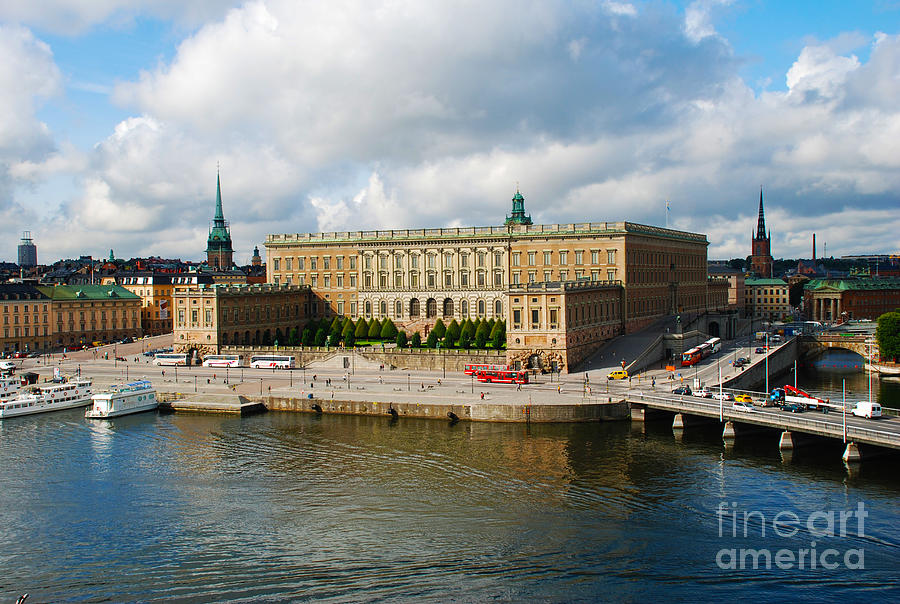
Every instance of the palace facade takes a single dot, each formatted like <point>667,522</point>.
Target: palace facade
<point>415,276</point>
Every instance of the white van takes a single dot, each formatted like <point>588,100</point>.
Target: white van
<point>7,366</point>
<point>867,409</point>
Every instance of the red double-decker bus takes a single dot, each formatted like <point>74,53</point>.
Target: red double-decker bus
<point>473,368</point>
<point>502,376</point>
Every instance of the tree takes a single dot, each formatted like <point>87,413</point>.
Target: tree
<point>494,329</point>
<point>308,336</point>
<point>335,326</point>
<point>320,337</point>
<point>469,329</point>
<point>497,339</point>
<point>481,335</point>
<point>374,329</point>
<point>388,329</point>
<point>401,339</point>
<point>453,329</point>
<point>292,337</point>
<point>348,330</point>
<point>440,329</point>
<point>888,335</point>
<point>449,339</point>
<point>432,340</point>
<point>349,339</point>
<point>464,341</point>
<point>416,340</point>
<point>362,329</point>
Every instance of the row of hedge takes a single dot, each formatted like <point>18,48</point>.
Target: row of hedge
<point>479,333</point>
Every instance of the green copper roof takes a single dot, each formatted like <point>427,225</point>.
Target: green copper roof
<point>87,292</point>
<point>854,283</point>
<point>518,215</point>
<point>219,234</point>
<point>762,282</point>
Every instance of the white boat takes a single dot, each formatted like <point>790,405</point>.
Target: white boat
<point>123,399</point>
<point>9,387</point>
<point>72,393</point>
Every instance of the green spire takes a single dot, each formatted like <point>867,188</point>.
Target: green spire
<point>219,218</point>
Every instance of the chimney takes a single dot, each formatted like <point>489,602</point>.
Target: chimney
<point>814,249</point>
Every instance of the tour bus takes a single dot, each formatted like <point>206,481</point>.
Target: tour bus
<point>171,358</point>
<point>503,376</point>
<point>705,350</point>
<point>272,361</point>
<point>715,345</point>
<point>473,368</point>
<point>690,357</point>
<point>222,360</point>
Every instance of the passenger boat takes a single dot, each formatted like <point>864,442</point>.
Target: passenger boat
<point>9,387</point>
<point>123,399</point>
<point>55,397</point>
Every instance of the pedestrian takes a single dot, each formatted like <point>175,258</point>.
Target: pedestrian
<point>559,389</point>
<point>518,386</point>
<point>482,396</point>
<point>164,373</point>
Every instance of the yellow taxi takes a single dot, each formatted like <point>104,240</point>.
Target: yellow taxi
<point>743,398</point>
<point>618,374</point>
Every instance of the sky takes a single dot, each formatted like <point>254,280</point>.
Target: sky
<point>115,116</point>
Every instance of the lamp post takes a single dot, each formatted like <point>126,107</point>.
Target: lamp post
<point>721,398</point>
<point>844,406</point>
<point>767,362</point>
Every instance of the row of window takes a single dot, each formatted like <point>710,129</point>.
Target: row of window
<point>314,262</point>
<point>15,308</point>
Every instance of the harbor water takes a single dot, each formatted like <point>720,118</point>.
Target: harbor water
<point>294,507</point>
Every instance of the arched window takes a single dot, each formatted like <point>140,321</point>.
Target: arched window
<point>368,308</point>
<point>498,308</point>
<point>382,308</point>
<point>481,308</point>
<point>430,308</point>
<point>464,308</point>
<point>414,308</point>
<point>448,307</point>
<point>398,309</point>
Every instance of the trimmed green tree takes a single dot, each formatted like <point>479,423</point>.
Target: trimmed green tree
<point>348,330</point>
<point>401,339</point>
<point>454,329</point>
<point>449,340</point>
<point>349,339</point>
<point>464,342</point>
<point>362,329</point>
<point>469,329</point>
<point>432,340</point>
<point>388,329</point>
<point>374,329</point>
<point>321,336</point>
<point>292,337</point>
<point>481,335</point>
<point>439,328</point>
<point>308,336</point>
<point>416,340</point>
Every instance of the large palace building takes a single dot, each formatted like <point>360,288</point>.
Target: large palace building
<point>415,276</point>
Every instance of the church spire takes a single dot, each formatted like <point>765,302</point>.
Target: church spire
<point>761,222</point>
<point>219,218</point>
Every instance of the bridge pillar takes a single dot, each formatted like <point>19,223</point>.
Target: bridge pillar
<point>787,441</point>
<point>851,453</point>
<point>678,422</point>
<point>728,432</point>
<point>639,414</point>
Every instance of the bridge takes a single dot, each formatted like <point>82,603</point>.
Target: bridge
<point>852,430</point>
<point>862,345</point>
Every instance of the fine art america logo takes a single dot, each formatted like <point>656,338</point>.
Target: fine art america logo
<point>742,525</point>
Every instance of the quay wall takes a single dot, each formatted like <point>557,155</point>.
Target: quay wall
<point>487,412</point>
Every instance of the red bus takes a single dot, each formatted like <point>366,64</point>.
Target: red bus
<point>690,357</point>
<point>503,376</point>
<point>473,368</point>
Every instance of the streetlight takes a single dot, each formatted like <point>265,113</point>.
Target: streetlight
<point>767,362</point>
<point>844,406</point>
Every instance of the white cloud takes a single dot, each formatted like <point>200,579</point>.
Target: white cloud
<point>355,115</point>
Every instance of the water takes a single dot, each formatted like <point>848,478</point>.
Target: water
<point>829,374</point>
<point>288,507</point>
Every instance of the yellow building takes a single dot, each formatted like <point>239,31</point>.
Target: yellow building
<point>83,314</point>
<point>25,313</point>
<point>767,299</point>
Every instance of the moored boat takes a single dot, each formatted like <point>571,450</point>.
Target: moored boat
<point>56,397</point>
<point>9,387</point>
<point>123,399</point>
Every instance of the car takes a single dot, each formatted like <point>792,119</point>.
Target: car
<point>120,359</point>
<point>723,396</point>
<point>682,390</point>
<point>867,409</point>
<point>703,393</point>
<point>760,350</point>
<point>744,360</point>
<point>20,355</point>
<point>7,366</point>
<point>793,408</point>
<point>742,406</point>
<point>618,374</point>
<point>739,363</point>
<point>743,398</point>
